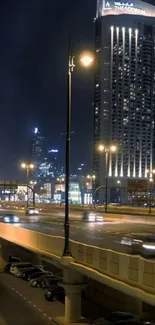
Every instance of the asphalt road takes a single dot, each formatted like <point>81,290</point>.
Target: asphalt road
<point>106,234</point>
<point>20,304</point>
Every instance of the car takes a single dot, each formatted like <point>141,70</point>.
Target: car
<point>17,268</point>
<point>8,266</point>
<point>54,293</point>
<point>140,244</point>
<point>92,217</point>
<point>36,282</point>
<point>30,271</point>
<point>35,275</point>
<point>31,211</point>
<point>12,259</point>
<point>9,218</point>
<point>120,316</point>
<point>48,282</point>
<point>101,321</point>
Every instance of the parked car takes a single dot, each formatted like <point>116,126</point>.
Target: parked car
<point>13,258</point>
<point>16,268</point>
<point>120,316</point>
<point>35,275</point>
<point>8,266</point>
<point>37,281</point>
<point>9,218</point>
<point>29,271</point>
<point>54,293</point>
<point>101,321</point>
<point>47,282</point>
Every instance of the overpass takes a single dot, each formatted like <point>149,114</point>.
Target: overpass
<point>131,275</point>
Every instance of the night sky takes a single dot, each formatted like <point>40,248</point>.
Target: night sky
<point>33,78</point>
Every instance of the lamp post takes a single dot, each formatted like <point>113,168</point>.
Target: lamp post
<point>92,179</point>
<point>27,167</point>
<point>86,61</point>
<point>151,181</point>
<point>107,149</point>
<point>60,180</point>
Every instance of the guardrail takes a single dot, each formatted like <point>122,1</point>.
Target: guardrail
<point>130,274</point>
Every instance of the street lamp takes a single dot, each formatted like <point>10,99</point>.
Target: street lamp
<point>85,62</point>
<point>60,180</point>
<point>107,149</point>
<point>27,167</point>
<point>151,180</point>
<point>92,179</point>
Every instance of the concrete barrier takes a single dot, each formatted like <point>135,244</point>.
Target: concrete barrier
<point>125,272</point>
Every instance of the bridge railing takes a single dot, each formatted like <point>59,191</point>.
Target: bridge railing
<point>133,271</point>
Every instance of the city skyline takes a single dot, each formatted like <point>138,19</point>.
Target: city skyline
<point>34,79</point>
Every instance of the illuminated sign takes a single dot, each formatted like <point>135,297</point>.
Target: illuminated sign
<point>137,7</point>
<point>53,150</point>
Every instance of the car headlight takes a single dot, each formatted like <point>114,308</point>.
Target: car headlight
<point>99,218</point>
<point>91,217</point>
<point>16,219</point>
<point>151,247</point>
<point>6,219</point>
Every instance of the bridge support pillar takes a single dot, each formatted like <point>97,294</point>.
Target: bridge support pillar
<point>73,283</point>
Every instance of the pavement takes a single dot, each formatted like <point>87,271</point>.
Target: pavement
<point>105,235</point>
<point>20,304</point>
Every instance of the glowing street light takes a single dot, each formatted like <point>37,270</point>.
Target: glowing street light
<point>107,149</point>
<point>86,61</point>
<point>27,167</point>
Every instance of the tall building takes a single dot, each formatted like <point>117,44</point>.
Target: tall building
<point>124,96</point>
<point>37,146</point>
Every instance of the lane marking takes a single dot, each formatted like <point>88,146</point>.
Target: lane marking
<point>71,232</point>
<point>40,310</point>
<point>45,314</point>
<point>34,306</point>
<point>29,301</point>
<point>93,237</point>
<point>49,228</point>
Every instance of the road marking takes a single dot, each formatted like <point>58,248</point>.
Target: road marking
<point>116,241</point>
<point>49,318</point>
<point>29,301</point>
<point>40,310</point>
<point>34,306</point>
<point>49,228</point>
<point>93,237</point>
<point>45,314</point>
<point>71,232</point>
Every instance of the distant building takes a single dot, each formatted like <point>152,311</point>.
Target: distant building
<point>124,96</point>
<point>37,146</point>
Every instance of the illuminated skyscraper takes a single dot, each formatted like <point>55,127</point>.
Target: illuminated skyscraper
<point>124,96</point>
<point>37,146</point>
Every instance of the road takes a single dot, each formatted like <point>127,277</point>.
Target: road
<point>20,304</point>
<point>106,235</point>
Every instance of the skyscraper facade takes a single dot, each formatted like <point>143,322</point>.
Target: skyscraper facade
<point>124,96</point>
<point>37,146</point>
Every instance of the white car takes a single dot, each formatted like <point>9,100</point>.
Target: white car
<point>32,211</point>
<point>140,244</point>
<point>17,268</point>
